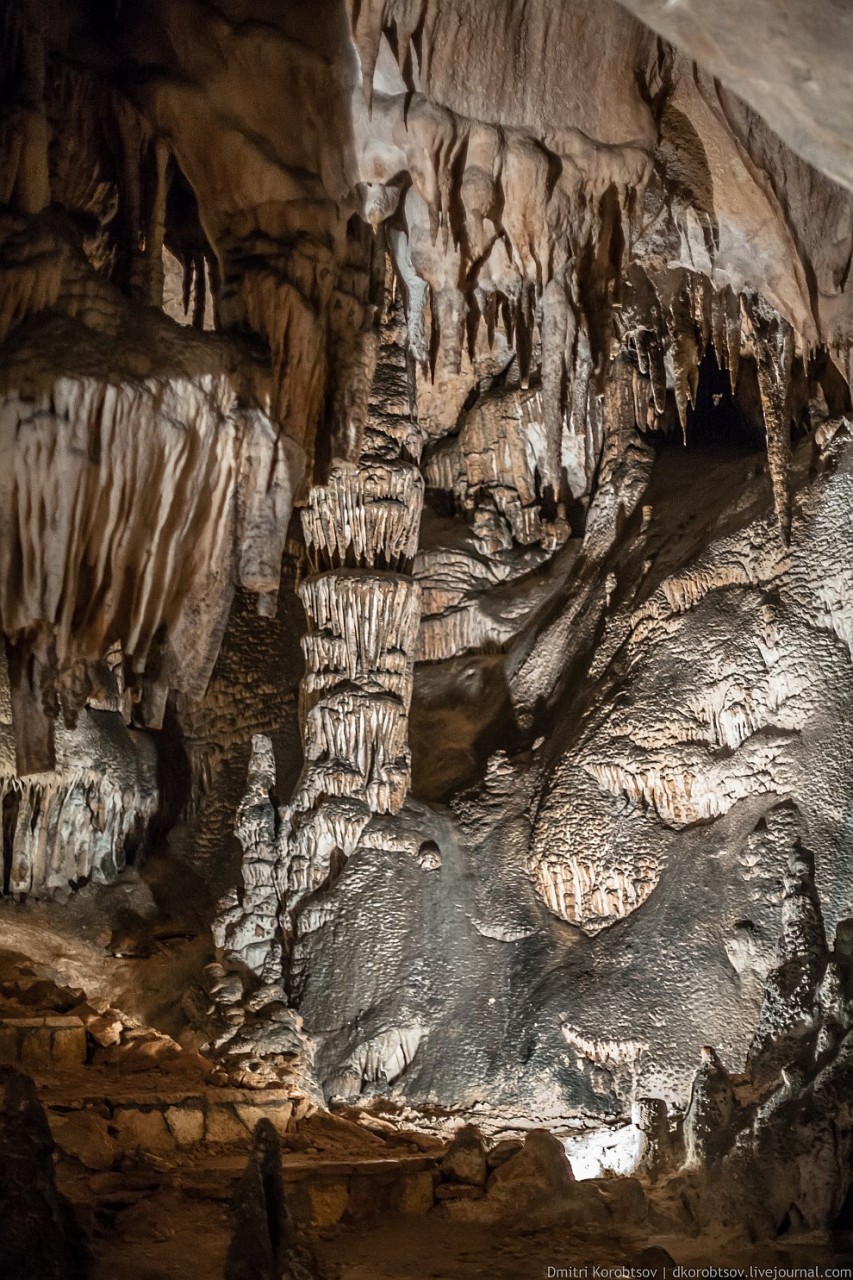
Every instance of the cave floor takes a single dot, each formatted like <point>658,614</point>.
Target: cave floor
<point>167,1216</point>
<point>166,1234</point>
<point>149,1161</point>
<point>165,1213</point>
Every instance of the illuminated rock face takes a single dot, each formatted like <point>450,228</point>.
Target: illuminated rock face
<point>82,820</point>
<point>546,333</point>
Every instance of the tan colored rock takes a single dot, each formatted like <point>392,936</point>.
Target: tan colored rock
<point>186,1125</point>
<point>329,1201</point>
<point>222,1126</point>
<point>85,1136</point>
<point>278,1116</point>
<point>536,1183</point>
<point>140,1049</point>
<point>142,1130</point>
<point>68,1047</point>
<point>302,1107</point>
<point>625,1198</point>
<point>503,1151</point>
<point>105,1025</point>
<point>36,1050</point>
<point>8,1044</point>
<point>449,1191</point>
<point>465,1159</point>
<point>417,1193</point>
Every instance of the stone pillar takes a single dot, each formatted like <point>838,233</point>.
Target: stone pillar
<point>363,610</point>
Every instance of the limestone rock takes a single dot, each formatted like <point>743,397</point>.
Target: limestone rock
<point>465,1159</point>
<point>503,1151</point>
<point>537,1183</point>
<point>518,764</point>
<point>84,1135</point>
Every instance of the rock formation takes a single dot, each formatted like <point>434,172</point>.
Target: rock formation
<point>264,1246</point>
<point>425,544</point>
<point>41,1236</point>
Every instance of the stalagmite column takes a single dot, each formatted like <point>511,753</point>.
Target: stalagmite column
<point>363,610</point>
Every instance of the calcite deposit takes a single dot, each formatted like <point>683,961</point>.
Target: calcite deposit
<point>426,476</point>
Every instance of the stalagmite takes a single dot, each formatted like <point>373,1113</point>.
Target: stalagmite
<point>363,609</point>
<point>709,1111</point>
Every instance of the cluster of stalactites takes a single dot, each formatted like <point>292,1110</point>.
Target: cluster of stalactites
<point>362,629</point>
<point>507,253</point>
<point>502,234</point>
<point>204,491</point>
<point>65,830</point>
<point>564,326</point>
<point>499,236</point>
<point>366,516</point>
<point>315,304</point>
<point>363,611</point>
<point>671,322</point>
<point>72,143</point>
<point>71,584</point>
<point>82,820</point>
<point>359,655</point>
<point>663,329</point>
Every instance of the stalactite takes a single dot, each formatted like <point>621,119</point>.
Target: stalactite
<point>774,350</point>
<point>81,182</point>
<point>685,354</point>
<point>33,264</point>
<point>157,225</point>
<point>24,176</point>
<point>733,336</point>
<point>73,584</point>
<point>275,308</point>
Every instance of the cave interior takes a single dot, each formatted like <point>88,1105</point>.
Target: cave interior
<point>426,589</point>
